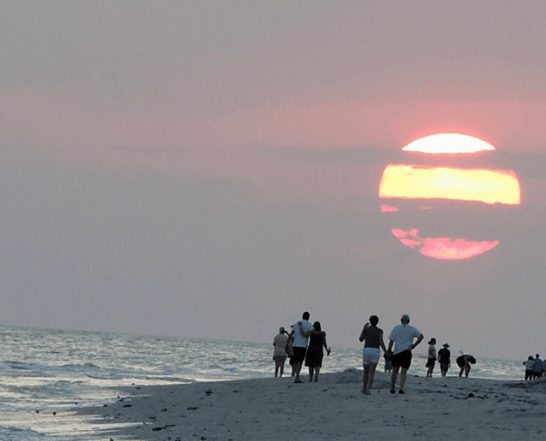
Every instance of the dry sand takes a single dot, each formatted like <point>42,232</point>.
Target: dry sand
<point>448,408</point>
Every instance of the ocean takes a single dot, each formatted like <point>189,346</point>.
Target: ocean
<point>47,372</point>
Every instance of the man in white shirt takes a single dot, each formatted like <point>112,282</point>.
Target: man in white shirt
<point>401,337</point>
<point>301,331</point>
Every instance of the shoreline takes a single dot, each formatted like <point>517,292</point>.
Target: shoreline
<point>267,409</point>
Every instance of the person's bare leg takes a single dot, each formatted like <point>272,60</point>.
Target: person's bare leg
<point>403,375</point>
<point>365,376</point>
<point>393,377</point>
<point>297,370</point>
<point>276,368</point>
<point>317,370</point>
<point>310,374</point>
<point>281,368</point>
<point>372,374</point>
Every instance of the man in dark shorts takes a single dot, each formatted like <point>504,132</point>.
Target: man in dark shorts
<point>444,358</point>
<point>401,337</point>
<point>300,331</point>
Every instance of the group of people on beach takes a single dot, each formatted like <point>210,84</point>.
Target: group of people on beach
<point>306,344</point>
<point>534,367</point>
<point>464,361</point>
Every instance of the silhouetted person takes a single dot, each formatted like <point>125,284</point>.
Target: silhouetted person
<point>538,367</point>
<point>529,368</point>
<point>444,358</point>
<point>464,362</point>
<point>401,337</point>
<point>279,351</point>
<point>372,336</point>
<point>290,352</point>
<point>431,357</point>
<point>315,353</point>
<point>301,331</point>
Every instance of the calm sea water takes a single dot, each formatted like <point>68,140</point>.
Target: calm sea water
<point>45,373</point>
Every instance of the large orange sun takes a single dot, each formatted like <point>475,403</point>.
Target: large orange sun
<point>421,188</point>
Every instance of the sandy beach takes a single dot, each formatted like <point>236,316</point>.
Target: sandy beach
<point>333,409</point>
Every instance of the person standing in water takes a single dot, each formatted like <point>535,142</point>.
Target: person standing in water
<point>372,336</point>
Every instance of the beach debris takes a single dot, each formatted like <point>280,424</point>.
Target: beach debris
<point>192,408</point>
<point>166,426</point>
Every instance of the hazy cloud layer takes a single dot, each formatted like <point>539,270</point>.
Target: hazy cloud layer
<point>203,169</point>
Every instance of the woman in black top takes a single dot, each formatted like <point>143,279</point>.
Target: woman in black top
<point>313,358</point>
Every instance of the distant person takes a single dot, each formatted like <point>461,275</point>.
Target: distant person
<point>315,353</point>
<point>279,351</point>
<point>301,331</point>
<point>401,337</point>
<point>431,357</point>
<point>290,352</point>
<point>529,368</point>
<point>464,361</point>
<point>538,367</point>
<point>444,358</point>
<point>387,356</point>
<point>372,336</point>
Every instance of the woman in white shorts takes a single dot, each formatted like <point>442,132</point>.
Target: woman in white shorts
<point>372,336</point>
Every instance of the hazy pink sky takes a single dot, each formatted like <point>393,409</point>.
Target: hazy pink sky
<point>210,168</point>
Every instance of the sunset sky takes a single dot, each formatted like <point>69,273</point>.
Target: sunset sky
<point>211,168</point>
